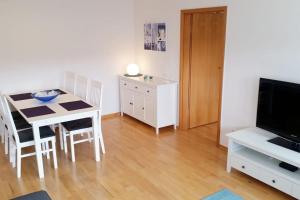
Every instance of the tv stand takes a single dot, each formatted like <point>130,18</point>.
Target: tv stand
<point>250,152</point>
<point>286,143</point>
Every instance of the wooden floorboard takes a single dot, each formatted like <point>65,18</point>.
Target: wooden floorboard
<point>138,165</point>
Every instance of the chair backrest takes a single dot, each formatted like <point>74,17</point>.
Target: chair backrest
<point>69,81</point>
<point>1,106</point>
<point>2,112</point>
<point>81,87</point>
<point>95,94</point>
<point>9,120</point>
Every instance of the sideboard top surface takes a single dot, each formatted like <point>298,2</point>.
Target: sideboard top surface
<point>155,81</point>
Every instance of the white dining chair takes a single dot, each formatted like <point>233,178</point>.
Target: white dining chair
<point>81,87</point>
<point>2,123</point>
<point>69,81</point>
<point>19,121</point>
<point>24,138</point>
<point>85,126</point>
<point>69,86</point>
<point>81,90</point>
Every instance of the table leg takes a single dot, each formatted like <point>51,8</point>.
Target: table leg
<point>39,158</point>
<point>96,137</point>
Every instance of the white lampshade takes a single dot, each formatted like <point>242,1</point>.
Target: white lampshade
<point>133,69</point>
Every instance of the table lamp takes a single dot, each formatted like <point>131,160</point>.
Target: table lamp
<point>133,71</point>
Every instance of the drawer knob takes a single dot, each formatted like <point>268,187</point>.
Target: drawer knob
<point>243,167</point>
<point>131,103</point>
<point>143,108</point>
<point>125,84</point>
<point>136,87</point>
<point>148,91</point>
<point>274,181</point>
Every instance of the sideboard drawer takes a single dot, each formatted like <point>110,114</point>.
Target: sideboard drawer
<point>149,91</point>
<point>137,87</point>
<point>244,166</point>
<point>261,174</point>
<point>125,84</point>
<point>296,191</point>
<point>275,181</point>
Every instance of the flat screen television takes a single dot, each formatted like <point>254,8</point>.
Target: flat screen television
<point>278,108</point>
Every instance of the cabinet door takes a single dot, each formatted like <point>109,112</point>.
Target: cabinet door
<point>150,110</point>
<point>138,106</point>
<point>127,101</point>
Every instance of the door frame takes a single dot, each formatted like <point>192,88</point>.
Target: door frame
<point>185,71</point>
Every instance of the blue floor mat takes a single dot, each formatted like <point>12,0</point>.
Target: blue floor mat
<point>223,195</point>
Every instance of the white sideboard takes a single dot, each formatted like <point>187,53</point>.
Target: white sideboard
<point>250,152</point>
<point>152,101</point>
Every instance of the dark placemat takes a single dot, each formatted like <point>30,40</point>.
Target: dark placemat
<point>20,97</point>
<point>37,111</point>
<point>75,105</point>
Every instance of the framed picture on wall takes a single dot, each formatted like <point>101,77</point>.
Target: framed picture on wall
<point>155,37</point>
<point>147,37</point>
<point>160,36</point>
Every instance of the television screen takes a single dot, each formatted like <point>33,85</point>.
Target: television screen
<point>279,108</point>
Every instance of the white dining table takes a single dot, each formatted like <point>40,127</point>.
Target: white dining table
<point>60,115</point>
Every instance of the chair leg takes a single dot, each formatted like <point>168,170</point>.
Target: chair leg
<point>65,141</point>
<point>101,141</point>
<point>2,133</point>
<point>43,147</point>
<point>72,147</point>
<point>54,153</point>
<point>47,149</point>
<point>14,156</point>
<point>19,162</point>
<point>11,148</point>
<point>6,142</point>
<point>89,136</point>
<point>61,141</point>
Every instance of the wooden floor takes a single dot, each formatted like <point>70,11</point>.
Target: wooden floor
<point>177,165</point>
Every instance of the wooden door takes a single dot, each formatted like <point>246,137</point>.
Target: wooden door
<point>206,64</point>
<point>202,58</point>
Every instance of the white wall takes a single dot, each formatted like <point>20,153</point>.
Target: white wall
<point>262,41</point>
<point>96,38</point>
<point>39,40</point>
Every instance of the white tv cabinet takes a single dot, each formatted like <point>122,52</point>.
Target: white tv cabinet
<point>250,152</point>
<point>152,101</point>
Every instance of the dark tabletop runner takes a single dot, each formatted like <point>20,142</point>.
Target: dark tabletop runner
<point>75,105</point>
<point>37,111</point>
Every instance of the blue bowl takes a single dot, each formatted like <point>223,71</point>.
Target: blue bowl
<point>48,96</point>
